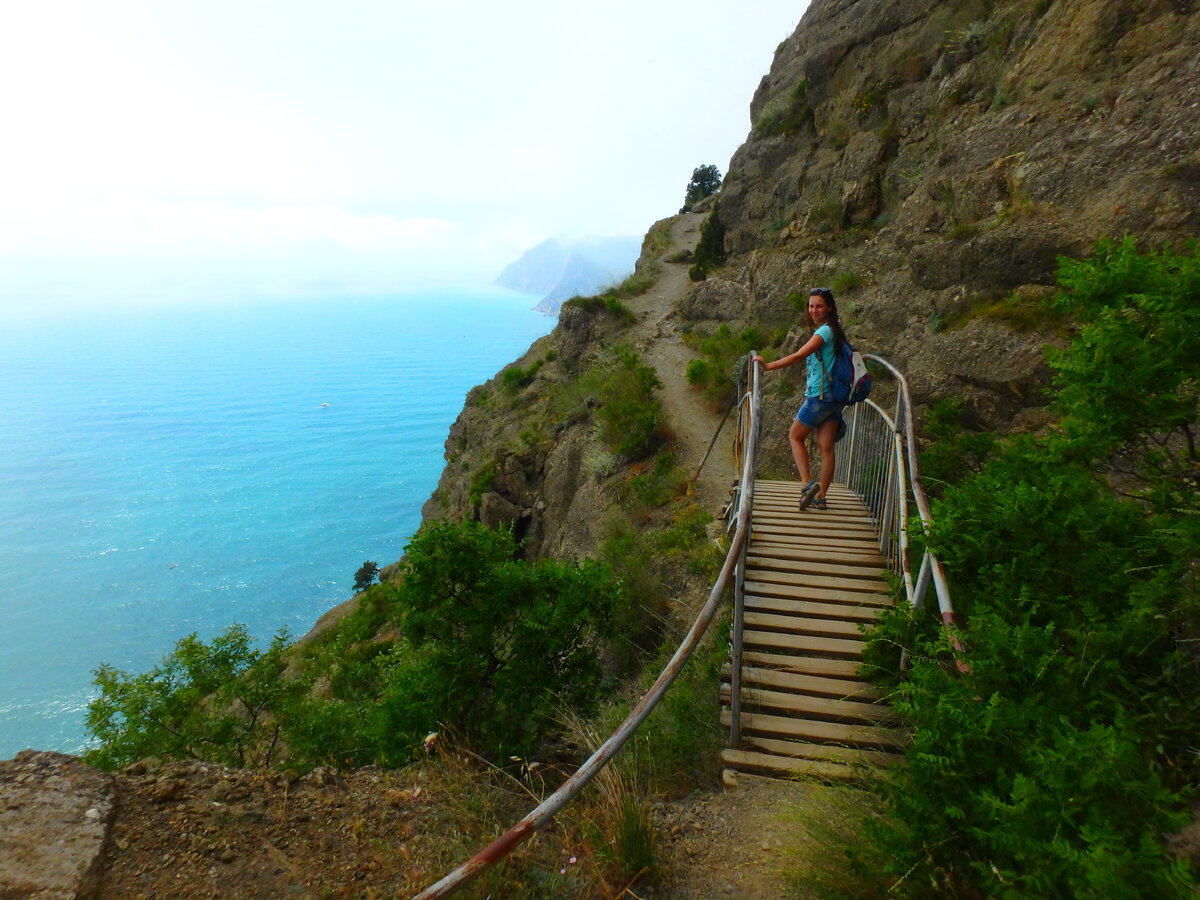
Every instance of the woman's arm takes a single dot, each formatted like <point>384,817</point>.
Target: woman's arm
<point>815,343</point>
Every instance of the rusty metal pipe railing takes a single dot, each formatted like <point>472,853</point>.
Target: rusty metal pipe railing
<point>749,419</point>
<point>553,804</point>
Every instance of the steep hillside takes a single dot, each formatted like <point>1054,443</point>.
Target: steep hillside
<point>932,160</point>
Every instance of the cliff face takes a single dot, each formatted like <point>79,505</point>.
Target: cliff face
<point>933,159</point>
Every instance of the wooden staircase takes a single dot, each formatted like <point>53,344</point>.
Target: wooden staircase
<point>811,579</point>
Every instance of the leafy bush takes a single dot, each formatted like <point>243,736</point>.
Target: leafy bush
<point>609,303</point>
<point>710,249</point>
<point>717,369</point>
<point>496,642</point>
<point>471,638</point>
<point>1056,765</point>
<point>618,391</point>
<point>214,701</point>
<point>513,378</point>
<point>956,452</point>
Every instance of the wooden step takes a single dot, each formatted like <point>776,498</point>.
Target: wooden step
<point>828,553</point>
<point>803,664</point>
<point>854,756</point>
<point>810,592</point>
<point>823,708</point>
<point>813,608</point>
<point>837,688</point>
<point>763,763</point>
<point>831,553</point>
<point>814,730</point>
<point>773,576</point>
<point>789,563</point>
<point>790,511</point>
<point>801,625</point>
<point>803,643</point>
<point>807,526</point>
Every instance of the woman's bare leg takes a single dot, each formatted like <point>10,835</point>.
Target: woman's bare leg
<point>826,436</point>
<point>797,436</point>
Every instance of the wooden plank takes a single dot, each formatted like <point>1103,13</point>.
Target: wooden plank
<point>804,705</point>
<point>837,688</point>
<point>802,625</point>
<point>864,556</point>
<point>804,665</point>
<point>789,508</point>
<point>831,553</point>
<point>823,525</point>
<point>790,511</point>
<point>803,643</point>
<point>788,537</point>
<point>763,763</point>
<point>873,736</point>
<point>809,592</point>
<point>772,576</point>
<point>779,605</point>
<point>760,561</point>
<point>848,755</point>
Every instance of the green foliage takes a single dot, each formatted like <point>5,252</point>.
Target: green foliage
<point>497,642</point>
<point>471,639</point>
<point>366,575</point>
<point>608,303</point>
<point>1129,385</point>
<point>678,746</point>
<point>717,370</point>
<point>710,250</point>
<point>706,181</point>
<point>619,391</point>
<point>481,482</point>
<point>213,701</point>
<point>1057,764</point>
<point>847,282</point>
<point>956,451</point>
<point>788,116</point>
<point>513,378</point>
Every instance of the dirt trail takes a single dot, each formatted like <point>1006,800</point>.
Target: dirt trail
<point>659,339</point>
<point>739,842</point>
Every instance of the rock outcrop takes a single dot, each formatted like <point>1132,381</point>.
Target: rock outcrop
<point>55,817</point>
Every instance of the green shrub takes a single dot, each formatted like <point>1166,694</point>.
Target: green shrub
<point>1056,765</point>
<point>513,378</point>
<point>710,250</point>
<point>956,452</point>
<point>215,701</point>
<point>716,372</point>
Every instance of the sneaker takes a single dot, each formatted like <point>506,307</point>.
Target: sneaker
<point>807,493</point>
<point>819,503</point>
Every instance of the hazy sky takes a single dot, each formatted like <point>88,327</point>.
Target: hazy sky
<point>164,148</point>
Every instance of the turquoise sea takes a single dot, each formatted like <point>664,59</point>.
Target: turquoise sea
<point>175,470</point>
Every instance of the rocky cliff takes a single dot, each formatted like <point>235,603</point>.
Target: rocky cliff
<point>928,160</point>
<point>932,159</point>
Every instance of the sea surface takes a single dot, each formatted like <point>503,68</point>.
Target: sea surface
<point>176,470</point>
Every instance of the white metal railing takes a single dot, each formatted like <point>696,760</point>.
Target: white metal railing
<point>881,468</point>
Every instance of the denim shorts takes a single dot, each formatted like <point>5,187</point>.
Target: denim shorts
<point>815,411</point>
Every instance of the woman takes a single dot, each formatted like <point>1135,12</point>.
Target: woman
<point>820,413</point>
